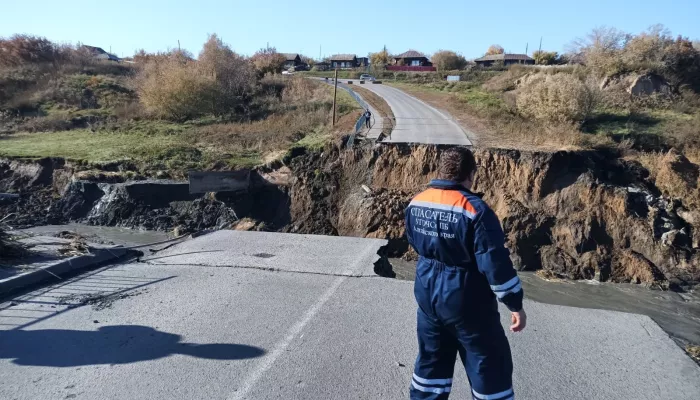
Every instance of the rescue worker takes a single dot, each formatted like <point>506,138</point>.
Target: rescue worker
<point>463,268</point>
<point>368,116</point>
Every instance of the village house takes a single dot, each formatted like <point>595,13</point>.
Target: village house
<point>322,66</point>
<point>292,60</point>
<point>507,59</point>
<point>362,61</point>
<point>343,61</point>
<point>412,58</point>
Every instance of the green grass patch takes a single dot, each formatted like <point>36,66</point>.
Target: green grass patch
<point>467,93</point>
<point>345,102</point>
<point>613,121</point>
<point>89,146</point>
<point>155,145</point>
<point>315,140</point>
<point>481,99</point>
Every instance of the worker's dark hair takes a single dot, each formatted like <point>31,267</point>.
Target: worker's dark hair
<point>456,164</point>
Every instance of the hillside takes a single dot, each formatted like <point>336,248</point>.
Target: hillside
<point>162,115</point>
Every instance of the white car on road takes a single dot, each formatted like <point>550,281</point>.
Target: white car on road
<point>366,77</point>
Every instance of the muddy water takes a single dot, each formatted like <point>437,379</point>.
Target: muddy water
<point>102,234</point>
<point>677,313</point>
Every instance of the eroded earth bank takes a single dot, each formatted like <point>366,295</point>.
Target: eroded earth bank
<point>576,215</point>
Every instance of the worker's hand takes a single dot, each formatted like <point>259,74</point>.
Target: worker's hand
<point>518,320</point>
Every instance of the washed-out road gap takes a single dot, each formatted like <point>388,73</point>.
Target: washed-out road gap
<point>416,121</point>
<point>254,315</point>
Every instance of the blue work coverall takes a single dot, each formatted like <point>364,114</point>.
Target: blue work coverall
<point>463,268</point>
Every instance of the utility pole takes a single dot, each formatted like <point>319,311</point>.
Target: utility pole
<point>178,46</point>
<point>540,43</point>
<point>335,93</point>
<point>526,46</point>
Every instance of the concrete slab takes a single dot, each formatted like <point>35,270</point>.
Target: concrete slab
<point>566,353</point>
<point>277,251</point>
<point>212,330</point>
<point>186,333</point>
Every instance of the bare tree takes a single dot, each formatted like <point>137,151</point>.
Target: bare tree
<point>233,74</point>
<point>601,49</point>
<point>380,58</point>
<point>268,60</point>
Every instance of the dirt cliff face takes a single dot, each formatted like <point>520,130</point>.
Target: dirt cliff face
<point>580,215</point>
<point>588,215</point>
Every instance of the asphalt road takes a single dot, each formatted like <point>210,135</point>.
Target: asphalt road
<point>416,121</point>
<point>376,124</point>
<point>245,315</point>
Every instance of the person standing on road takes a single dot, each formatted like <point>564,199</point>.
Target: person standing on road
<point>368,117</point>
<point>463,268</point>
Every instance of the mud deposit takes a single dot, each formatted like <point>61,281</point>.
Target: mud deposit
<point>98,301</point>
<point>578,215</point>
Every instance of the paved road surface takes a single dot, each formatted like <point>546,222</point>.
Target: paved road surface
<point>418,122</point>
<point>239,315</point>
<point>377,123</point>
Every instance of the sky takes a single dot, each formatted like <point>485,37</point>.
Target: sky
<point>314,27</point>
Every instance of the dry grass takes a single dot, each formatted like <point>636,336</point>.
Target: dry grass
<point>276,132</point>
<point>674,174</point>
<point>693,352</point>
<point>548,275</point>
<point>299,117</point>
<point>560,98</point>
<point>176,91</point>
<point>651,161</point>
<point>225,116</point>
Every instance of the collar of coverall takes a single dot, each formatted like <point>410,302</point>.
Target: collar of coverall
<point>446,184</point>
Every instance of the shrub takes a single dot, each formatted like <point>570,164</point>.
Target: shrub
<point>174,86</point>
<point>174,90</point>
<point>545,57</point>
<point>506,81</point>
<point>681,63</point>
<point>646,50</point>
<point>609,52</point>
<point>445,60</point>
<point>601,50</point>
<point>143,58</point>
<point>559,98</point>
<point>267,60</point>
<point>26,49</point>
<point>233,74</point>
